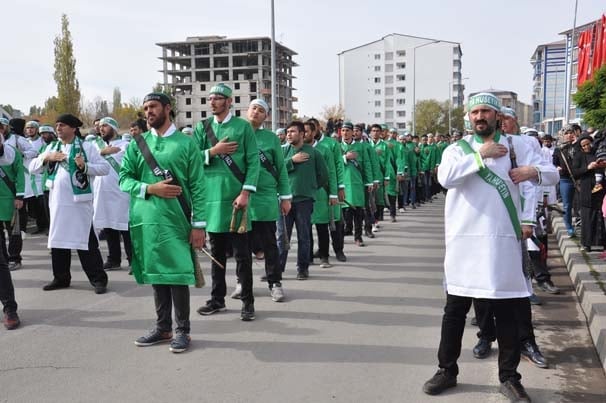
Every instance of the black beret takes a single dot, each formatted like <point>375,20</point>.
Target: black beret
<point>69,120</point>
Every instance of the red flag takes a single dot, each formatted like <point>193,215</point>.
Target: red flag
<point>596,62</point>
<point>581,58</point>
<point>603,45</point>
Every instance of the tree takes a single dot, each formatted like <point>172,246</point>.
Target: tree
<point>334,112</point>
<point>591,98</point>
<point>8,108</point>
<point>166,90</point>
<point>457,116</point>
<point>431,117</point>
<point>117,101</point>
<point>68,89</point>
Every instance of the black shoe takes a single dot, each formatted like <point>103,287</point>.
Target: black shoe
<point>302,275</point>
<point>514,391</point>
<point>474,321</point>
<point>40,231</point>
<point>11,320</point>
<point>180,343</point>
<point>100,289</point>
<point>482,349</point>
<point>154,337</point>
<point>248,313</point>
<point>414,206</point>
<point>441,381</point>
<point>548,287</point>
<point>109,265</point>
<point>531,352</point>
<point>341,257</point>
<point>55,285</point>
<point>211,307</point>
<point>264,278</point>
<point>316,254</point>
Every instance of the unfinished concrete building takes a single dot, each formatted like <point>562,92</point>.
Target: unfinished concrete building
<point>192,67</point>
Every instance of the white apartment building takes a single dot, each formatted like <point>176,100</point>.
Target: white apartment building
<point>192,67</point>
<point>377,82</point>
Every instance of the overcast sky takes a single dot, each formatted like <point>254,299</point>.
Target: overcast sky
<point>114,41</point>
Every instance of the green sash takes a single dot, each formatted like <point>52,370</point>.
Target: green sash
<point>499,184</point>
<point>79,180</point>
<point>112,161</point>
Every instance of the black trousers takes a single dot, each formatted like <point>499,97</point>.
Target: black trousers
<point>337,236</point>
<point>392,205</point>
<point>112,236</point>
<point>91,261</point>
<point>263,235</point>
<point>34,207</point>
<point>486,320</point>
<point>323,241</point>
<point>355,215</point>
<point>219,242</point>
<point>453,324</point>
<point>7,291</point>
<point>15,243</point>
<point>165,296</point>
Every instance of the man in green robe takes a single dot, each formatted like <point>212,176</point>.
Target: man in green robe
<point>358,178</point>
<point>427,152</point>
<point>272,186</point>
<point>371,156</point>
<point>231,159</point>
<point>326,198</point>
<point>167,219</point>
<point>307,172</point>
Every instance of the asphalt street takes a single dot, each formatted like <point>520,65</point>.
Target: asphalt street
<point>363,331</point>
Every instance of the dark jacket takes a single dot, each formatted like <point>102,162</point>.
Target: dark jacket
<point>568,150</point>
<point>586,179</point>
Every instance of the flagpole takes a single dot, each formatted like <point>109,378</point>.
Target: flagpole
<point>569,91</point>
<point>274,103</point>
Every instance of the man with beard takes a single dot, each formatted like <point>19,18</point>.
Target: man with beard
<point>483,212</point>
<point>231,159</point>
<point>167,218</point>
<point>33,202</point>
<point>264,209</point>
<point>71,163</point>
<point>111,203</point>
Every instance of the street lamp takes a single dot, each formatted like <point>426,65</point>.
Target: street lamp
<point>414,83</point>
<point>274,84</point>
<point>450,83</point>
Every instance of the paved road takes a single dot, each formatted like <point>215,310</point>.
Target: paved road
<point>365,331</point>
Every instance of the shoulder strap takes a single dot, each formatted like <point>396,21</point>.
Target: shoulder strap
<point>267,164</point>
<point>159,172</point>
<point>227,159</point>
<point>8,181</point>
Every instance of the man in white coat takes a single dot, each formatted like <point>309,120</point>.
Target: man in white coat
<point>483,213</point>
<point>110,203</point>
<point>71,164</point>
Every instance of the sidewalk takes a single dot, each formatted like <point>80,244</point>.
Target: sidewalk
<point>588,275</point>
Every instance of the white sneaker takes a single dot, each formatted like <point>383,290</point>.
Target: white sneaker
<point>237,294</point>
<point>277,294</point>
<point>401,210</point>
<point>375,228</point>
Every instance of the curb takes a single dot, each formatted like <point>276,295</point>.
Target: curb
<point>589,283</point>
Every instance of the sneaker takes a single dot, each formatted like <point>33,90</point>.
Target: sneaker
<point>401,210</point>
<point>237,294</point>
<point>514,391</point>
<point>548,287</point>
<point>341,256</point>
<point>154,337</point>
<point>316,254</point>
<point>414,206</point>
<point>277,293</point>
<point>482,349</point>
<point>211,307</point>
<point>11,320</point>
<point>260,255</point>
<point>111,265</point>
<point>534,300</point>
<point>180,343</point>
<point>302,275</point>
<point>531,352</point>
<point>393,219</point>
<point>248,313</point>
<point>375,228</point>
<point>100,289</point>
<point>325,264</point>
<point>55,285</point>
<point>12,266</point>
<point>360,243</point>
<point>571,233</point>
<point>441,381</point>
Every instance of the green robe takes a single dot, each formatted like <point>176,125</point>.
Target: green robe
<point>16,173</point>
<point>440,146</point>
<point>159,229</point>
<point>306,177</point>
<point>428,157</point>
<point>383,152</point>
<point>335,148</point>
<point>413,159</point>
<point>396,149</point>
<point>321,211</point>
<point>357,174</point>
<point>263,205</point>
<point>221,184</point>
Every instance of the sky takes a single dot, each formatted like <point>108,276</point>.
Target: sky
<point>114,40</point>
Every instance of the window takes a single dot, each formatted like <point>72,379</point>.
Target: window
<point>203,101</point>
<point>253,97</point>
<point>401,114</point>
<point>188,115</point>
<point>401,53</point>
<point>237,112</point>
<point>377,115</point>
<point>187,101</point>
<point>377,91</point>
<point>400,90</point>
<point>389,68</point>
<point>389,103</point>
<point>202,87</point>
<point>401,65</point>
<point>377,79</point>
<point>401,101</point>
<point>236,86</point>
<point>237,100</point>
<point>401,125</point>
<point>389,91</point>
<point>401,77</point>
<point>377,56</point>
<point>388,79</point>
<point>388,114</point>
<point>389,56</point>
<point>203,114</point>
<point>377,68</point>
<point>377,103</point>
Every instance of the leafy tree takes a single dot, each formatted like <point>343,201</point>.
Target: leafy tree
<point>334,112</point>
<point>591,98</point>
<point>457,118</point>
<point>117,104</point>
<point>431,117</point>
<point>68,89</point>
<point>8,108</point>
<point>166,90</point>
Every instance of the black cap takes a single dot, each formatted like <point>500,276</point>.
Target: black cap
<point>69,120</point>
